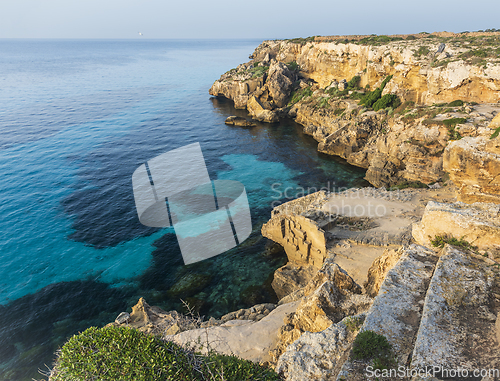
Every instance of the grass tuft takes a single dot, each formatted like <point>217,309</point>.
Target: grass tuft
<point>441,240</point>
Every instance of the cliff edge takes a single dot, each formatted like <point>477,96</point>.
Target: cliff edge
<point>391,105</point>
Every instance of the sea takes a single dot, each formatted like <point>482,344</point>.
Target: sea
<point>77,118</point>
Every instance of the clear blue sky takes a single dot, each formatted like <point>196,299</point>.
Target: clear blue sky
<point>239,19</point>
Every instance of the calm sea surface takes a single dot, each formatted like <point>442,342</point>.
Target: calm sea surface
<point>76,119</point>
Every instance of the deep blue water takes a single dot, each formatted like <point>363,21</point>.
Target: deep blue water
<point>76,119</point>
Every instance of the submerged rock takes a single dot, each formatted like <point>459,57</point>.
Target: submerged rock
<point>189,284</point>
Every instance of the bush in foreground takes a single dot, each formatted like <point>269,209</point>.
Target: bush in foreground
<point>120,353</point>
<point>371,345</point>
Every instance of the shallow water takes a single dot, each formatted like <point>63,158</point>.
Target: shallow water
<point>77,118</point>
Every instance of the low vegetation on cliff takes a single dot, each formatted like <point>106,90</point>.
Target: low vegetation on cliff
<point>388,104</point>
<point>120,353</point>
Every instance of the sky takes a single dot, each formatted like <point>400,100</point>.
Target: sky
<point>263,19</point>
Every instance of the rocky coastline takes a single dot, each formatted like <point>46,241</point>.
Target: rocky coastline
<point>416,257</point>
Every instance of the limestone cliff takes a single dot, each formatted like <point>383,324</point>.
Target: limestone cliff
<point>439,88</point>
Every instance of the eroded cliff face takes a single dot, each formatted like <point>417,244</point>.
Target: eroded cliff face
<point>474,165</point>
<point>320,84</point>
<point>422,71</point>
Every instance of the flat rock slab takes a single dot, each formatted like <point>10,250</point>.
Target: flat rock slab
<point>390,214</point>
<point>397,309</point>
<point>243,338</point>
<point>356,259</point>
<point>460,325</point>
<point>479,223</point>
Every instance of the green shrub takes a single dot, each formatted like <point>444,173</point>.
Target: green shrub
<point>408,184</point>
<point>371,345</point>
<point>125,354</point>
<point>370,98</point>
<point>324,103</point>
<point>388,100</point>
<point>422,51</point>
<point>495,134</point>
<point>293,65</point>
<point>353,323</point>
<point>258,71</point>
<point>411,38</point>
<point>454,121</point>
<point>456,103</point>
<point>300,94</point>
<point>356,95</point>
<point>377,40</point>
<point>301,40</point>
<point>353,84</point>
<point>451,124</point>
<point>441,240</point>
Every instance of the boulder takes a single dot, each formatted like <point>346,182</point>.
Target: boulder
<point>122,318</point>
<point>474,166</point>
<point>250,340</point>
<point>239,121</point>
<point>478,224</point>
<point>153,320</point>
<point>279,83</point>
<point>342,85</point>
<point>258,112</point>
<point>290,278</point>
<point>328,298</point>
<point>318,356</point>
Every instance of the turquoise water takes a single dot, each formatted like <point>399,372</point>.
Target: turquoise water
<point>77,118</point>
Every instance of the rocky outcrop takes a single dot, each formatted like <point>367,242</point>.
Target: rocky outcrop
<point>319,356</point>
<point>238,121</point>
<point>291,278</point>
<point>478,224</point>
<point>397,310</point>
<point>153,320</point>
<point>279,83</point>
<point>303,240</point>
<point>250,340</point>
<point>302,237</point>
<point>328,298</point>
<point>394,147</point>
<point>460,324</point>
<point>474,166</point>
<point>257,111</point>
<point>379,269</point>
<point>415,79</point>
